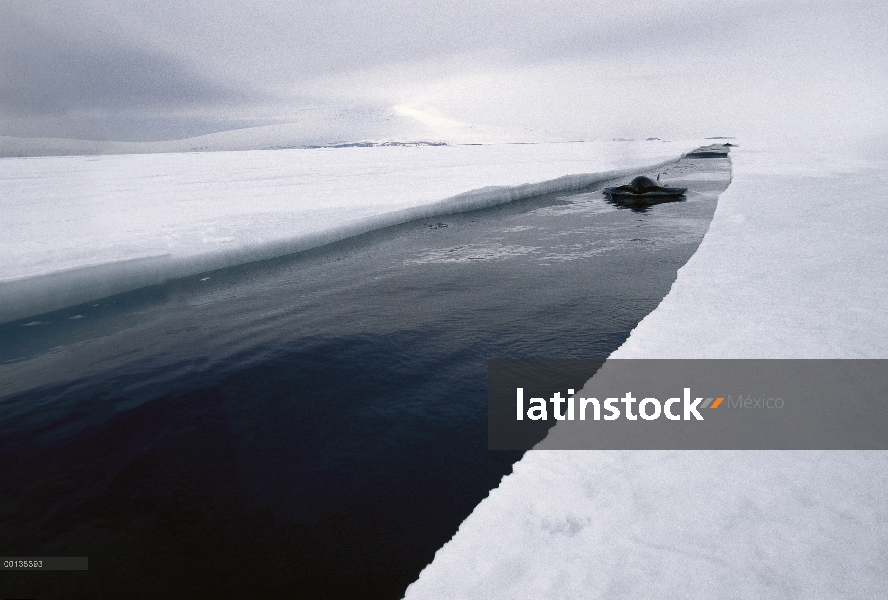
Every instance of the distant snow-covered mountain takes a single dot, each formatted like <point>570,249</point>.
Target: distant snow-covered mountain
<point>306,128</point>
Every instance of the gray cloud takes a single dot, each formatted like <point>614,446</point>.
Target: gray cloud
<point>113,53</point>
<point>153,69</point>
<point>44,72</point>
<point>53,83</point>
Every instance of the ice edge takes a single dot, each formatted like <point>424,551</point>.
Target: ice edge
<point>38,294</point>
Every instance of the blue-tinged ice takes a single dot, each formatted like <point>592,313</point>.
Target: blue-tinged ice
<point>75,229</point>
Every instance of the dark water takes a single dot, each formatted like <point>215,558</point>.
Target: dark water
<point>312,426</point>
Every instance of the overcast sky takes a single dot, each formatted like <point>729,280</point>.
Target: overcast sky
<point>127,70</point>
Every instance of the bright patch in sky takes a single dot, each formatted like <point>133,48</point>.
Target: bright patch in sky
<point>435,122</point>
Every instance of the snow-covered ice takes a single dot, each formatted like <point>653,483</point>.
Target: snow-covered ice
<point>575,524</point>
<point>791,267</point>
<point>75,229</point>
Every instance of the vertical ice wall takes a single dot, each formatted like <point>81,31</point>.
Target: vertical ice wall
<point>792,267</point>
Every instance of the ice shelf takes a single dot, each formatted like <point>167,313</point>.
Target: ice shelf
<point>75,229</point>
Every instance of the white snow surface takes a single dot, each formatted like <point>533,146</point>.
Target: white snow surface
<point>791,267</point>
<point>75,229</point>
